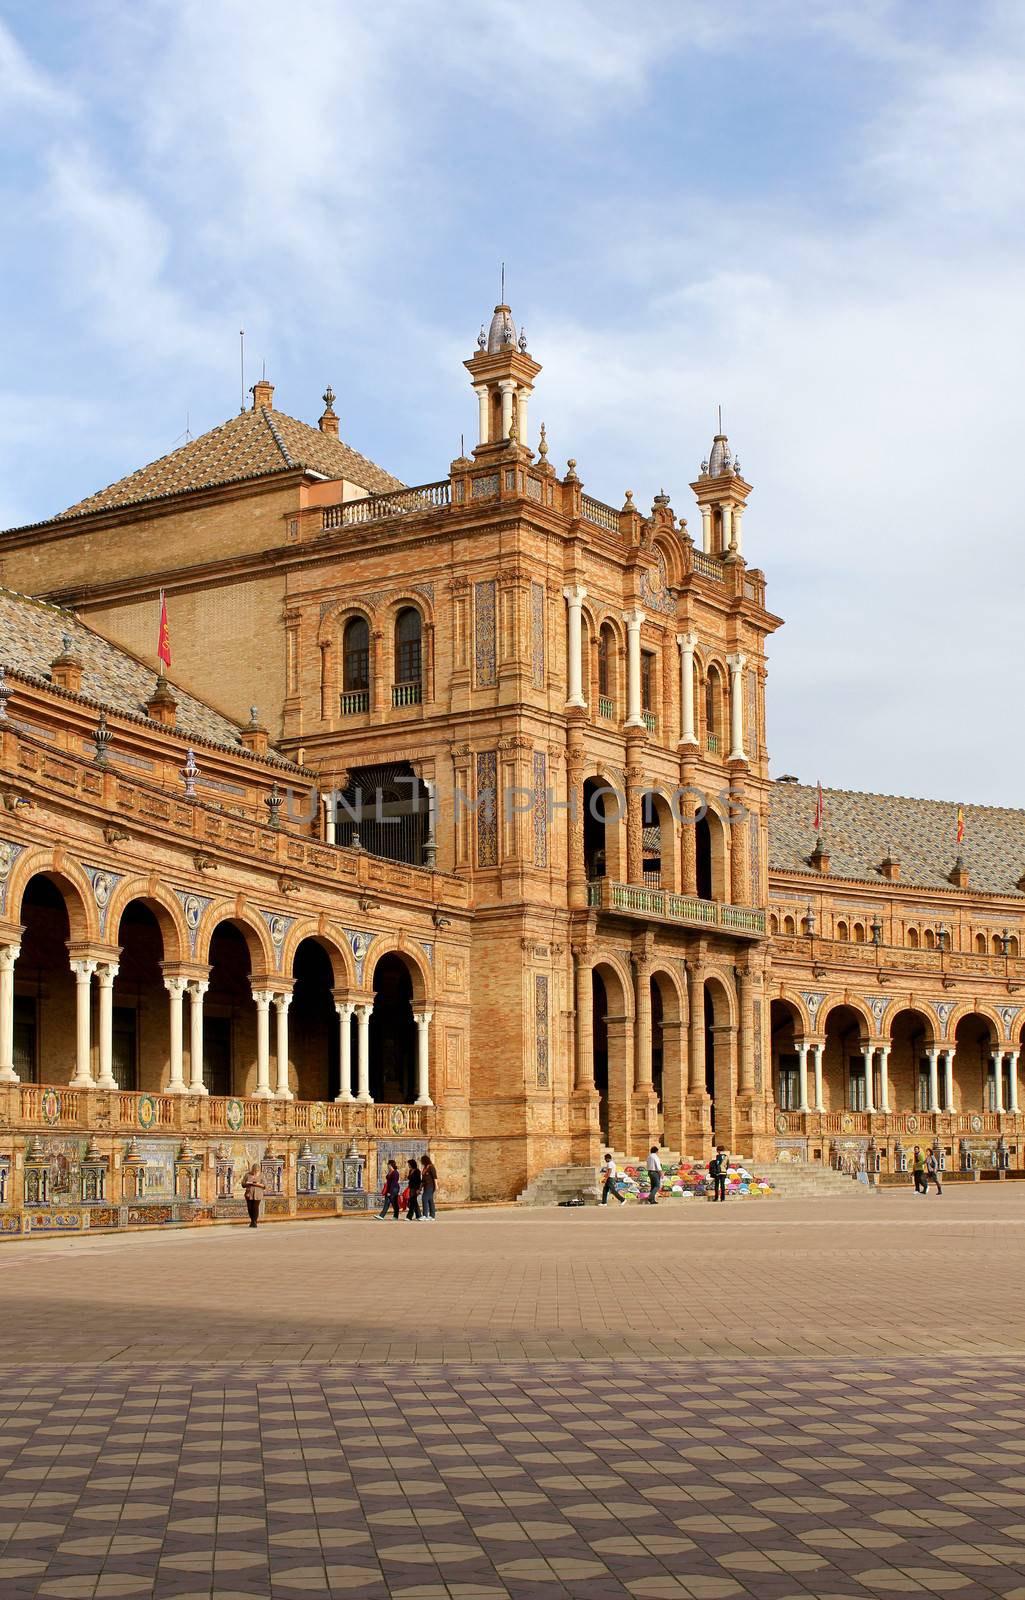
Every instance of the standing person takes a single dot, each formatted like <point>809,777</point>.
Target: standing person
<point>932,1170</point>
<point>654,1166</point>
<point>414,1183</point>
<point>718,1167</point>
<point>918,1171</point>
<point>253,1187</point>
<point>390,1191</point>
<point>609,1174</point>
<point>430,1184</point>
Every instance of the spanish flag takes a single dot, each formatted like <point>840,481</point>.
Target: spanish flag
<point>960,824</point>
<point>818,810</point>
<point>164,635</point>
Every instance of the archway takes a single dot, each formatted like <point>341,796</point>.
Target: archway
<point>844,1086</point>
<point>669,1057</point>
<point>786,1030</point>
<point>911,1035</point>
<point>658,841</point>
<point>392,1033</point>
<point>603,820</point>
<point>600,1037</point>
<point>313,1043</point>
<point>712,865</point>
<point>44,987</point>
<point>229,1015</point>
<point>612,1025</point>
<point>974,1081</point>
<point>719,1052</point>
<point>140,1056</point>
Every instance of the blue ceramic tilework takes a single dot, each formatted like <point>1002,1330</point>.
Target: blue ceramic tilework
<point>487,808</point>
<point>484,638</point>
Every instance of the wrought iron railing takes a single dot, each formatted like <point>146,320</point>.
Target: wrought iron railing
<point>646,900</point>
<point>601,515</point>
<point>398,503</point>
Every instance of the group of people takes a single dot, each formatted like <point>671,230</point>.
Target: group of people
<point>718,1168</point>
<point>925,1165</point>
<point>421,1183</point>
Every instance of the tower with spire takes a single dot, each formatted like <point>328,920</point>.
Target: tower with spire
<point>721,494</point>
<point>502,373</point>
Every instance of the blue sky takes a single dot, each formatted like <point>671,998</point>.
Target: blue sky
<point>809,212</point>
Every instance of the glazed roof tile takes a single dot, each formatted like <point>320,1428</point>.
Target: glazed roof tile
<point>255,444</point>
<point>860,830</point>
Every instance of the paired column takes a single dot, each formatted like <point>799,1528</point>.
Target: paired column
<point>176,988</point>
<point>948,1080</point>
<point>481,391</point>
<point>736,664</point>
<point>687,641</point>
<point>507,385</point>
<point>8,956</point>
<point>1012,1057</point>
<point>423,1059</point>
<point>802,1076</point>
<point>262,999</point>
<point>706,529</point>
<point>998,1079</point>
<point>83,968</point>
<point>584,1020</point>
<point>884,1077</point>
<point>345,1008</point>
<point>633,620</point>
<point>934,1078</point>
<point>363,1054</point>
<point>197,990</point>
<point>523,395</point>
<point>106,972</point>
<point>575,596</point>
<point>282,1003</point>
<point>868,1051</point>
<point>817,1050</point>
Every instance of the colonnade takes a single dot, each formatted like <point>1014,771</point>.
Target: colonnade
<point>177,985</point>
<point>941,1077</point>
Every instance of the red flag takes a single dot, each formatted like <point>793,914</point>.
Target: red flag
<point>960,824</point>
<point>818,811</point>
<point>164,636</point>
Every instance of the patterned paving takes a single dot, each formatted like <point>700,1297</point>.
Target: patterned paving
<point>593,1479</point>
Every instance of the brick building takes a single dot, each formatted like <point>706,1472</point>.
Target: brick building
<point>481,849</point>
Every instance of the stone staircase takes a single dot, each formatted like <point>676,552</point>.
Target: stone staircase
<point>791,1181</point>
<point>556,1185</point>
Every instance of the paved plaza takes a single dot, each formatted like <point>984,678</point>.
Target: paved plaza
<point>775,1399</point>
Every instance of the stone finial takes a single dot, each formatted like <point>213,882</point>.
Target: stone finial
<point>628,502</point>
<point>542,448</point>
<point>328,422</point>
<point>254,736</point>
<point>66,668</point>
<point>571,471</point>
<point>819,858</point>
<point>102,737</point>
<point>958,874</point>
<point>162,706</point>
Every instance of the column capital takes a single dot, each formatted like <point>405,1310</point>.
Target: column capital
<point>283,999</point>
<point>83,967</point>
<point>106,972</point>
<point>9,954</point>
<point>507,385</point>
<point>198,988</point>
<point>480,390</point>
<point>575,593</point>
<point>263,998</point>
<point>687,641</point>
<point>422,1018</point>
<point>736,662</point>
<point>345,1008</point>
<point>363,1010</point>
<point>633,619</point>
<point>175,986</point>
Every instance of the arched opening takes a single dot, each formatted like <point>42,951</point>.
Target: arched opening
<point>612,1025</point>
<point>229,1015</point>
<point>980,944</point>
<point>911,1036</point>
<point>385,810</point>
<point>858,933</point>
<point>408,686</point>
<point>649,688</point>
<point>607,675</point>
<point>996,948</point>
<point>789,926</point>
<point>600,1036</point>
<point>1012,946</point>
<point>843,1065</point>
<point>710,858</point>
<point>785,1024</point>
<point>657,1042</point>
<point>44,988</point>
<point>911,938</point>
<point>929,939</point>
<point>714,711</point>
<point>842,932</point>
<point>356,665</point>
<point>718,1053</point>
<point>669,1058</point>
<point>604,809</point>
<point>392,1034</point>
<point>658,836</point>
<point>140,1058</point>
<point>974,1079</point>
<point>774,924</point>
<point>313,1046</point>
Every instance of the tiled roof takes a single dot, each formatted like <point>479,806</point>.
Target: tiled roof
<point>251,445</point>
<point>31,633</point>
<point>859,830</point>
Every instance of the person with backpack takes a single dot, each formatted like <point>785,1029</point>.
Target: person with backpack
<point>414,1183</point>
<point>654,1169</point>
<point>430,1184</point>
<point>609,1174</point>
<point>718,1167</point>
<point>932,1170</point>
<point>390,1191</point>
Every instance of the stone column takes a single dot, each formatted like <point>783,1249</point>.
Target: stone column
<point>197,991</point>
<point>934,1078</point>
<point>582,1000</point>
<point>423,1060</point>
<point>736,664</point>
<point>868,1051</point>
<point>106,972</point>
<point>329,818</point>
<point>282,1003</point>
<point>884,1077</point>
<point>998,1078</point>
<point>687,641</point>
<point>363,1054</point>
<point>706,529</point>
<point>83,968</point>
<point>948,1080</point>
<point>575,596</point>
<point>481,391</point>
<point>523,395</point>
<point>802,1076</point>
<point>634,816</point>
<point>262,999</point>
<point>507,385</point>
<point>176,1081</point>
<point>633,620</point>
<point>745,1033</point>
<point>8,956</point>
<point>738,512</point>
<point>726,511</point>
<point>696,1006</point>
<point>345,1008</point>
<point>817,1050</point>
<point>674,1083</point>
<point>642,1026</point>
<point>1012,1058</point>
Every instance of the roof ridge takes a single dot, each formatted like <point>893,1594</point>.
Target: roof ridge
<point>909,799</point>
<point>268,417</point>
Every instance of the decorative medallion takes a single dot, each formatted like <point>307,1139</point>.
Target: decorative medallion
<point>318,1117</point>
<point>278,927</point>
<point>193,905</point>
<point>911,1124</point>
<point>50,1106</point>
<point>976,1124</point>
<point>147,1111</point>
<point>428,950</point>
<point>234,1115</point>
<point>813,1002</point>
<point>398,1119</point>
<point>878,1004</point>
<point>1007,1016</point>
<point>846,1123</point>
<point>781,1123</point>
<point>104,883</point>
<point>943,1008</point>
<point>9,854</point>
<point>359,944</point>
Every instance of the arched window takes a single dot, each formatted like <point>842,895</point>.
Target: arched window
<point>789,925</point>
<point>980,944</point>
<point>773,924</point>
<point>356,665</point>
<point>929,939</point>
<point>859,933</point>
<point>842,932</point>
<point>408,657</point>
<point>713,710</point>
<point>607,670</point>
<point>912,938</point>
<point>1012,946</point>
<point>996,948</point>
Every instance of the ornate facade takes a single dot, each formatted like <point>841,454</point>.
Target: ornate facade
<point>496,864</point>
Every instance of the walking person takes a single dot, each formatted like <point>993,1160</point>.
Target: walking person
<point>932,1171</point>
<point>430,1184</point>
<point>654,1167</point>
<point>414,1184</point>
<point>609,1174</point>
<point>918,1171</point>
<point>253,1188</point>
<point>718,1167</point>
<point>390,1190</point>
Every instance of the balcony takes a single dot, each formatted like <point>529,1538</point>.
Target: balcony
<point>406,694</point>
<point>379,507</point>
<point>650,720</point>
<point>943,966</point>
<point>712,743</point>
<point>33,1105</point>
<point>914,1125</point>
<point>638,900</point>
<point>354,702</point>
<point>606,708</point>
